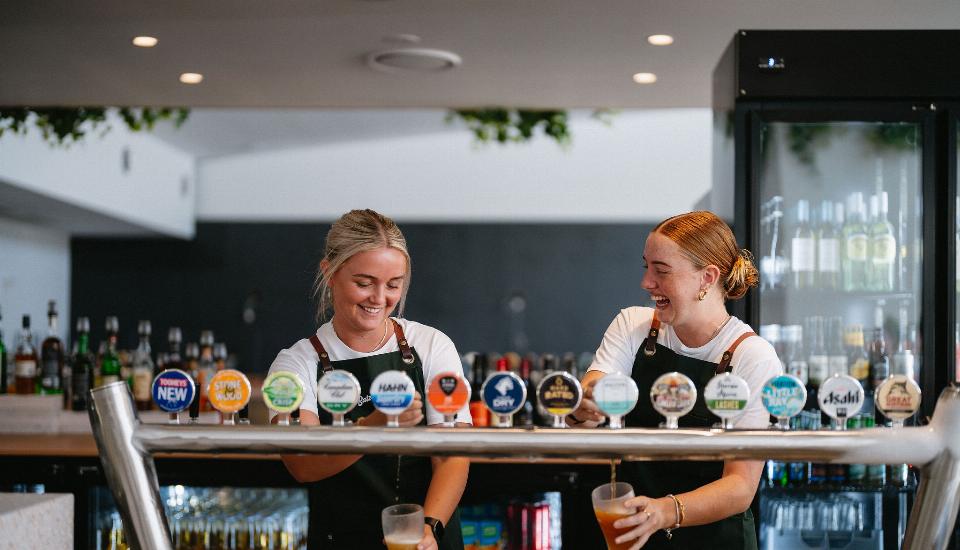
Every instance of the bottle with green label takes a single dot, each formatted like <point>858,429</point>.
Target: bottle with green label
<point>883,247</point>
<point>855,245</point>
<point>110,360</point>
<point>83,365</point>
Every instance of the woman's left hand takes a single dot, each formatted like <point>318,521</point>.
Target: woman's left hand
<point>427,542</point>
<point>652,515</point>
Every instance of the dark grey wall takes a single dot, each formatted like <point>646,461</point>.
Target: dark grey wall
<point>572,280</point>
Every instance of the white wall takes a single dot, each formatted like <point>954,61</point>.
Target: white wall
<point>34,268</point>
<point>89,175</point>
<point>649,165</point>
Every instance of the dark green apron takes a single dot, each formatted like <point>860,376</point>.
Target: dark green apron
<point>658,479</point>
<point>345,508</point>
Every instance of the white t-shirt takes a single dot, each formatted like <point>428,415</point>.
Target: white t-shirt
<point>755,360</point>
<point>435,349</point>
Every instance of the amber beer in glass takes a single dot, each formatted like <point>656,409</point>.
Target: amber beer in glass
<point>402,526</point>
<point>608,505</point>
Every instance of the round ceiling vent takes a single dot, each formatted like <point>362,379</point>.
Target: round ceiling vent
<point>417,60</point>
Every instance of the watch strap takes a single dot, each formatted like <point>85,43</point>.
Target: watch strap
<point>436,526</point>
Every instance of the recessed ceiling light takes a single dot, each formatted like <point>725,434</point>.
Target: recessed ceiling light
<point>144,41</point>
<point>422,60</point>
<point>660,39</point>
<point>191,78</point>
<point>644,78</point>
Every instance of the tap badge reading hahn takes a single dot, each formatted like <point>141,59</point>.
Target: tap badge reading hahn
<point>282,392</point>
<point>392,392</point>
<point>503,392</point>
<point>173,390</point>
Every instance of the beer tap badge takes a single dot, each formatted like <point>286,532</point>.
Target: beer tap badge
<point>726,395</point>
<point>173,390</point>
<point>616,394</point>
<point>282,392</point>
<point>673,394</point>
<point>229,391</point>
<point>898,397</point>
<point>338,392</point>
<point>504,392</point>
<point>784,396</point>
<point>840,396</point>
<point>392,392</point>
<point>447,393</point>
<point>559,393</point>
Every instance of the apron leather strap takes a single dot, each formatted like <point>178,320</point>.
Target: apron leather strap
<point>322,353</point>
<point>405,350</point>
<point>724,364</point>
<point>650,342</point>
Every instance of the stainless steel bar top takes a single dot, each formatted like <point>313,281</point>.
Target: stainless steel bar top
<point>872,446</point>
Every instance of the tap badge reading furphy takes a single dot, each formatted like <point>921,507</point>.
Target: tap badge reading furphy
<point>559,393</point>
<point>392,392</point>
<point>840,396</point>
<point>673,394</point>
<point>173,390</point>
<point>616,394</point>
<point>726,395</point>
<point>503,392</point>
<point>784,396</point>
<point>447,393</point>
<point>229,391</point>
<point>338,392</point>
<point>282,392</point>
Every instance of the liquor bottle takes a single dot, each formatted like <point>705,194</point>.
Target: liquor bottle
<point>828,249</point>
<point>855,245</point>
<point>110,360</point>
<point>819,362</point>
<point>876,474</point>
<point>859,361</point>
<point>527,416</point>
<point>796,359</point>
<point>836,352</point>
<point>903,358</point>
<point>879,362</point>
<point>206,368</point>
<point>479,411</point>
<point>883,247</point>
<point>25,360</point>
<point>220,356</point>
<point>3,361</point>
<point>83,365</point>
<point>51,355</point>
<point>191,365</point>
<point>174,359</point>
<point>803,253</point>
<point>143,368</point>
<point>856,472</point>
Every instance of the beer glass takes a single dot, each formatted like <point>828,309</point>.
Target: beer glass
<point>608,505</point>
<point>402,526</point>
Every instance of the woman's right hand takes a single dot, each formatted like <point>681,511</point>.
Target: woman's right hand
<point>588,415</point>
<point>412,416</point>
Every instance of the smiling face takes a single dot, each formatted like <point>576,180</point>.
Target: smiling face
<point>366,289</point>
<point>672,281</point>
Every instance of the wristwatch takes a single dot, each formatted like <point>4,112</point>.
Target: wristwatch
<point>436,526</point>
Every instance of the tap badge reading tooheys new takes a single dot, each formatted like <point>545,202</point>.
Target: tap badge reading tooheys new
<point>784,396</point>
<point>282,392</point>
<point>338,392</point>
<point>229,391</point>
<point>840,396</point>
<point>673,394</point>
<point>173,390</point>
<point>503,392</point>
<point>559,393</point>
<point>447,393</point>
<point>898,397</point>
<point>726,395</point>
<point>391,392</point>
<point>616,394</point>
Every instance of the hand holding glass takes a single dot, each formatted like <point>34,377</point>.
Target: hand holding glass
<point>402,526</point>
<point>608,505</point>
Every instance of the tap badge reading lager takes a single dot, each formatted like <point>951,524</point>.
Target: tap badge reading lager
<point>504,393</point>
<point>282,392</point>
<point>229,391</point>
<point>559,393</point>
<point>173,390</point>
<point>898,397</point>
<point>840,396</point>
<point>338,392</point>
<point>784,396</point>
<point>392,392</point>
<point>447,393</point>
<point>726,395</point>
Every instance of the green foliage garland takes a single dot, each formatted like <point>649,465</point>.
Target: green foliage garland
<point>64,126</point>
<point>519,125</point>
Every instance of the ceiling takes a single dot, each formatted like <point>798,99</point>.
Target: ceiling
<point>310,53</point>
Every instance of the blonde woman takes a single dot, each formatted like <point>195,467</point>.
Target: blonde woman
<point>693,266</point>
<point>363,277</point>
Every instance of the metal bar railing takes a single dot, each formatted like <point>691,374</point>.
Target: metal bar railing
<point>126,448</point>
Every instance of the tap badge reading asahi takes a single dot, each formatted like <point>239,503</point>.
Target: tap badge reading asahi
<point>229,391</point>
<point>392,392</point>
<point>282,392</point>
<point>784,396</point>
<point>338,392</point>
<point>898,397</point>
<point>616,394</point>
<point>447,393</point>
<point>673,394</point>
<point>173,390</point>
<point>559,393</point>
<point>726,395</point>
<point>504,392</point>
<point>840,396</point>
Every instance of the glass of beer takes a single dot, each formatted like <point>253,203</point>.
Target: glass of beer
<point>608,504</point>
<point>402,526</point>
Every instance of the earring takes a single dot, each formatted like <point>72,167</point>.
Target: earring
<point>702,294</point>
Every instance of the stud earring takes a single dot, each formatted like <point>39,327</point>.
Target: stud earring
<point>702,294</point>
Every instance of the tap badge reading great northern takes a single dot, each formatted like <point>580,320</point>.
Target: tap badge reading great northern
<point>392,392</point>
<point>898,397</point>
<point>173,390</point>
<point>503,392</point>
<point>282,392</point>
<point>784,396</point>
<point>559,393</point>
<point>338,392</point>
